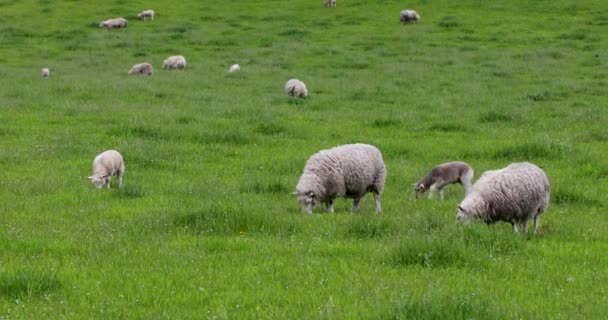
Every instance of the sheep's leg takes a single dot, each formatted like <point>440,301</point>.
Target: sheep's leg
<point>524,226</point>
<point>120,173</point>
<point>514,227</point>
<point>108,180</point>
<point>432,190</point>
<point>441,196</point>
<point>329,206</point>
<point>536,220</point>
<point>356,204</point>
<point>378,204</point>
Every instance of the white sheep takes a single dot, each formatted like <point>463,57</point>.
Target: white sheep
<point>46,72</point>
<point>330,3</point>
<point>296,88</point>
<point>117,23</point>
<point>444,174</point>
<point>143,68</point>
<point>174,62</point>
<point>407,16</point>
<point>514,194</point>
<point>234,68</point>
<point>146,14</point>
<point>106,165</point>
<point>348,171</point>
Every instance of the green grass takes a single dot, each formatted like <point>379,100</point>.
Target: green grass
<point>206,226</point>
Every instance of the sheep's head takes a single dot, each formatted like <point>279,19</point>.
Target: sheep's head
<point>420,189</point>
<point>308,201</point>
<point>463,216</point>
<point>98,181</point>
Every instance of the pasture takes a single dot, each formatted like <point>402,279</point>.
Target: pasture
<point>205,225</point>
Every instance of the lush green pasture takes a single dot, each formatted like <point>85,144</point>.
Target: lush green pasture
<point>206,227</point>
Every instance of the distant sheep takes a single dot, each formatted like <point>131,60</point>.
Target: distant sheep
<point>442,175</point>
<point>514,194</point>
<point>106,165</point>
<point>174,62</point>
<point>296,88</point>
<point>345,171</point>
<point>146,14</point>
<point>330,3</point>
<point>409,16</point>
<point>141,69</point>
<point>234,68</point>
<point>117,23</point>
<point>46,72</point>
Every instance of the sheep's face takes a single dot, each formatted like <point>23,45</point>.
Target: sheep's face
<point>308,201</point>
<point>462,216</point>
<point>97,181</point>
<point>419,188</point>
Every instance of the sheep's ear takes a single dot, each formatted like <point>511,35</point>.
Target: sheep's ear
<point>295,193</point>
<point>461,209</point>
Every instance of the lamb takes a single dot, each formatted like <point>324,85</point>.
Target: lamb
<point>234,68</point>
<point>407,16</point>
<point>444,174</point>
<point>106,165</point>
<point>348,171</point>
<point>117,23</point>
<point>296,88</point>
<point>174,62</point>
<point>146,14</point>
<point>330,3</point>
<point>46,72</point>
<point>141,69</point>
<point>514,194</point>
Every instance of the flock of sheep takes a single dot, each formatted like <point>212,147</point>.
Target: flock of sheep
<point>515,194</point>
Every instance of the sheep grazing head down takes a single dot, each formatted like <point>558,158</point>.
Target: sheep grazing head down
<point>98,181</point>
<point>419,188</point>
<point>462,216</point>
<point>308,200</point>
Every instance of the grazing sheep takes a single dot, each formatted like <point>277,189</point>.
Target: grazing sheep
<point>141,69</point>
<point>330,3</point>
<point>296,88</point>
<point>514,194</point>
<point>234,68</point>
<point>46,72</point>
<point>117,23</point>
<point>348,171</point>
<point>146,14</point>
<point>407,16</point>
<point>174,62</point>
<point>444,174</point>
<point>105,165</point>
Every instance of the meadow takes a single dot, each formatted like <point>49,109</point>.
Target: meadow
<point>205,226</point>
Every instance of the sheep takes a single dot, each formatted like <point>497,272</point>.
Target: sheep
<point>407,16</point>
<point>106,165</point>
<point>234,68</point>
<point>514,194</point>
<point>348,171</point>
<point>46,72</point>
<point>141,69</point>
<point>330,3</point>
<point>296,88</point>
<point>117,23</point>
<point>174,62</point>
<point>146,14</point>
<point>442,175</point>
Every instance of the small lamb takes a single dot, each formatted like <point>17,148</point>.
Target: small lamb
<point>117,23</point>
<point>514,194</point>
<point>442,175</point>
<point>296,88</point>
<point>106,165</point>
<point>174,62</point>
<point>409,16</point>
<point>146,14</point>
<point>330,3</point>
<point>46,72</point>
<point>143,68</point>
<point>348,171</point>
<point>234,68</point>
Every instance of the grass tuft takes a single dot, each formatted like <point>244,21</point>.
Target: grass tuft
<point>24,283</point>
<point>530,152</point>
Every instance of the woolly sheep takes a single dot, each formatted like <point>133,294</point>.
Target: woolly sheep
<point>407,16</point>
<point>46,72</point>
<point>330,3</point>
<point>234,68</point>
<point>514,194</point>
<point>146,14</point>
<point>296,88</point>
<point>141,69</point>
<point>442,175</point>
<point>348,171</point>
<point>106,165</point>
<point>174,62</point>
<point>114,23</point>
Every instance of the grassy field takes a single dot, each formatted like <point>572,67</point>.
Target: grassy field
<point>205,225</point>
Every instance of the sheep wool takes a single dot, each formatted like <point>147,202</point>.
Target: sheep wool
<point>106,165</point>
<point>46,72</point>
<point>514,194</point>
<point>146,14</point>
<point>409,16</point>
<point>117,23</point>
<point>174,62</point>
<point>348,171</point>
<point>296,88</point>
<point>143,68</point>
